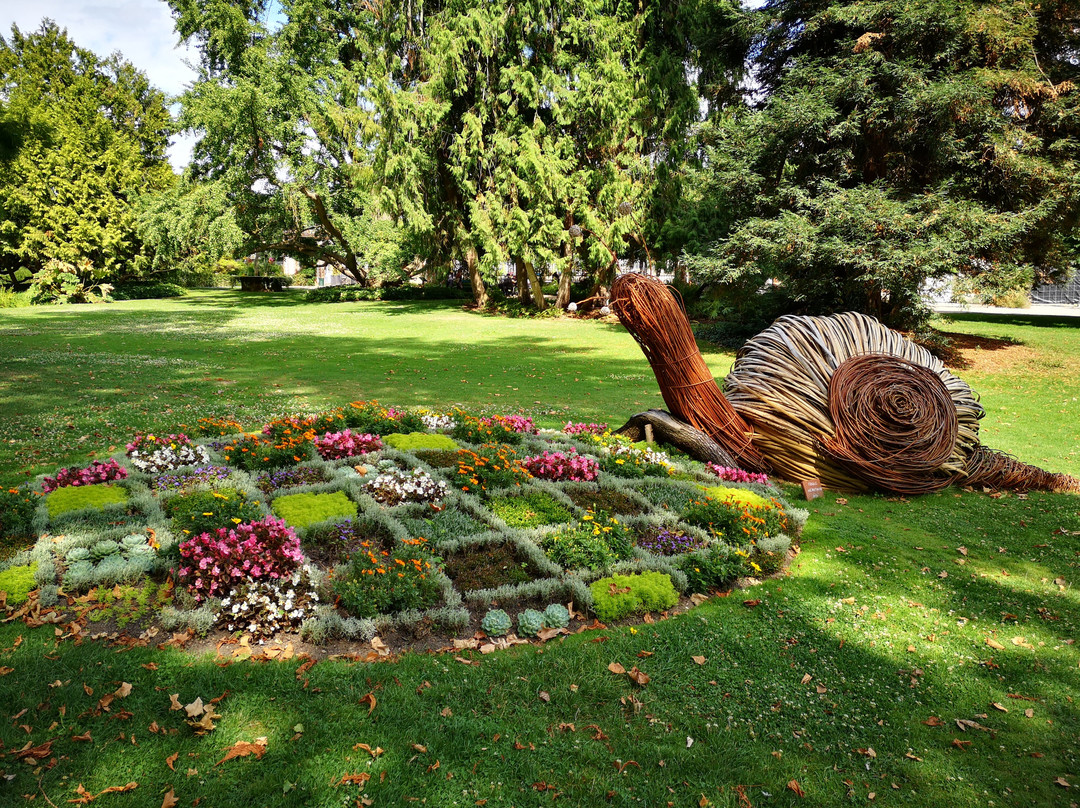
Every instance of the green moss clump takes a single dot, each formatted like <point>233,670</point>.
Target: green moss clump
<point>741,496</point>
<point>206,511</point>
<point>301,510</point>
<point>17,582</point>
<point>531,510</point>
<point>420,441</point>
<point>621,595</point>
<point>76,497</point>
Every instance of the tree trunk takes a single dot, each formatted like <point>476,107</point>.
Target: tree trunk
<point>682,274</point>
<point>565,277</point>
<point>472,261</point>
<point>522,282</point>
<point>537,289</point>
<point>666,428</point>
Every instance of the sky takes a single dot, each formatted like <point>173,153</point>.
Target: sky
<point>142,30</point>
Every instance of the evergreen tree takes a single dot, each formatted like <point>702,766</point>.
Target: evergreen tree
<point>895,142</point>
<point>85,137</point>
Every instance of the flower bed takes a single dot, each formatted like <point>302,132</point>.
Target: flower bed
<point>248,570</point>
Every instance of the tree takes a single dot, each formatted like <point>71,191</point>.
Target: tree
<point>86,136</point>
<point>899,142</point>
<point>461,130</point>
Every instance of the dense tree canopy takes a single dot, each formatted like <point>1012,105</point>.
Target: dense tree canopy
<point>81,137</point>
<point>369,134</point>
<point>895,142</point>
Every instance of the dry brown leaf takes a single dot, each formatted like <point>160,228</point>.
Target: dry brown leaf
<point>196,708</point>
<point>544,696</point>
<point>934,721</point>
<point>123,691</point>
<point>370,701</point>
<point>243,749</point>
<point>170,761</point>
<point>174,700</point>
<point>792,785</point>
<point>868,752</point>
<point>433,767</point>
<point>994,644</point>
<point>821,689</point>
<point>446,712</point>
<point>84,737</point>
<point>750,604</point>
<point>1061,781</point>
<point>998,706</point>
<point>378,750</point>
<point>697,598</point>
<point>700,660</point>
<point>357,779</point>
<point>616,668</point>
<point>170,800</point>
<point>960,744</point>
<point>806,679</point>
<point>640,677</point>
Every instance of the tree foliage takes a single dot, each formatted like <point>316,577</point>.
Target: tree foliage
<point>895,142</point>
<point>83,136</point>
<point>370,134</point>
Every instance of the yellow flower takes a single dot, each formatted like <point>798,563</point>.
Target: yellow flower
<point>633,630</point>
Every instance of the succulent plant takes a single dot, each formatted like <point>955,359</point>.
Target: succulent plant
<point>496,623</point>
<point>556,616</point>
<point>103,549</point>
<point>132,540</point>
<point>80,569</point>
<point>530,622</point>
<point>77,554</point>
<point>139,550</point>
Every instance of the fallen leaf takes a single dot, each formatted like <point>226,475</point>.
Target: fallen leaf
<point>640,677</point>
<point>544,696</point>
<point>1000,707</point>
<point>84,737</point>
<point>700,660</point>
<point>175,702</point>
<point>960,744</point>
<point>357,779</point>
<point>170,761</point>
<point>196,708</point>
<point>36,752</point>
<point>1022,643</point>
<point>170,800</point>
<point>370,701</point>
<point>697,598</point>
<point>446,712</point>
<point>1030,713</point>
<point>243,749</point>
<point>910,756</point>
<point>994,644</point>
<point>1061,781</point>
<point>792,785</point>
<point>933,721</point>
<point>123,691</point>
<point>378,750</point>
<point>419,748</point>
<point>616,668</point>
<point>868,752</point>
<point>821,689</point>
<point>750,604</point>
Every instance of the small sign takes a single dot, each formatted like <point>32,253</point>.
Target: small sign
<point>812,489</point>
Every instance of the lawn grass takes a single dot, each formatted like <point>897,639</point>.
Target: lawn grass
<point>834,677</point>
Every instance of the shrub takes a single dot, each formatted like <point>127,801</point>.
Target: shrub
<point>61,282</point>
<point>531,509</point>
<point>712,567</point>
<point>495,465</point>
<point>737,515</point>
<point>621,595</point>
<point>369,416</point>
<point>666,542</point>
<point>146,290</point>
<point>420,441</point>
<point>353,293</point>
<point>336,445</point>
<point>176,483</point>
<point>394,486</point>
<point>598,541</point>
<point>562,466</point>
<point>206,511</point>
<point>255,452</point>
<point>623,459</point>
<point>382,581</point>
<point>584,429</point>
<point>734,475</point>
<point>18,582</point>
<point>263,608</point>
<point>96,472</point>
<point>154,454</point>
<point>17,507</point>
<point>270,481</point>
<point>301,510</point>
<point>65,500</point>
<point>216,427</point>
<point>214,564</point>
<point>332,544</point>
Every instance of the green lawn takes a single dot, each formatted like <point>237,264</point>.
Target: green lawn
<point>921,651</point>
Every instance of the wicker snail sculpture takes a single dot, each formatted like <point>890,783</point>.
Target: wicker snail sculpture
<point>842,399</point>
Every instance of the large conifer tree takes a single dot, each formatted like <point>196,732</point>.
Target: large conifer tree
<point>895,142</point>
